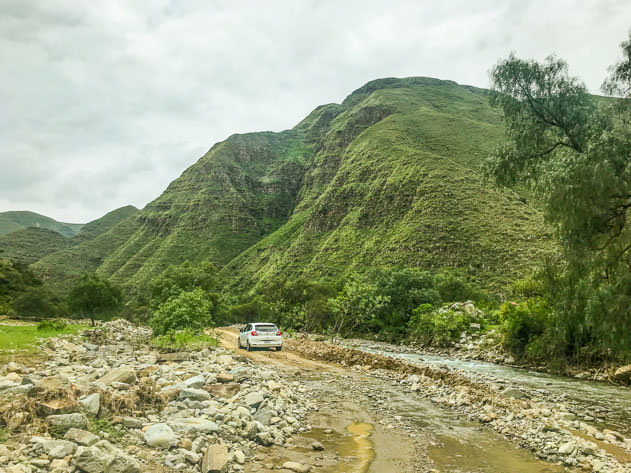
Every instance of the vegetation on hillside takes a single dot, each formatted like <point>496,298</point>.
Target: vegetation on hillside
<point>31,244</point>
<point>18,220</point>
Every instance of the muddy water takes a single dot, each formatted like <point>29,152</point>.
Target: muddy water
<point>609,404</point>
<point>463,446</point>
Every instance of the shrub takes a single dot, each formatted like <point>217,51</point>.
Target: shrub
<point>439,327</point>
<point>94,298</point>
<point>186,339</point>
<point>189,310</point>
<point>523,325</point>
<point>456,287</point>
<point>52,325</point>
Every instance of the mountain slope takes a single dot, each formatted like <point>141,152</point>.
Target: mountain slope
<point>101,225</point>
<point>389,177</point>
<point>17,220</point>
<point>30,244</point>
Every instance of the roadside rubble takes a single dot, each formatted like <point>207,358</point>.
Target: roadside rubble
<point>550,430</point>
<point>107,402</point>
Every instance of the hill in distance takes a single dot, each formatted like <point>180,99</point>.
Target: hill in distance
<point>18,220</point>
<point>389,177</point>
<point>30,244</point>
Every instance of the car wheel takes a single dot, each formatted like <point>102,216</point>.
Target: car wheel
<point>248,347</point>
<point>239,343</point>
<point>279,348</point>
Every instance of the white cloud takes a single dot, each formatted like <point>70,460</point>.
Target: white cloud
<point>105,102</point>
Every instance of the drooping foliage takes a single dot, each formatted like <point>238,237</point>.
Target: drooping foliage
<point>574,151</point>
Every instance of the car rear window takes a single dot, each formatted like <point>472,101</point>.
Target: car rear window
<point>266,328</point>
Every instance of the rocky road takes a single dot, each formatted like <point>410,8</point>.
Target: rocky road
<point>108,402</point>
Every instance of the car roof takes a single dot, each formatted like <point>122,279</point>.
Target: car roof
<point>262,323</point>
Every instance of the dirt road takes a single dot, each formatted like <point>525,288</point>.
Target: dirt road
<point>355,439</point>
<point>369,424</point>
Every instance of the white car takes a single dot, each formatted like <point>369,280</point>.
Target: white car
<point>260,335</point>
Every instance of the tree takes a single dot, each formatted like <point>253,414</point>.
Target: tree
<point>94,298</point>
<point>573,151</point>
<point>188,310</point>
<point>180,278</point>
<point>356,304</point>
<point>38,301</point>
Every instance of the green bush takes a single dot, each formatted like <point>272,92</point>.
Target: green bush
<point>523,326</point>
<point>189,310</point>
<point>454,286</point>
<point>184,340</point>
<point>52,325</point>
<point>437,327</point>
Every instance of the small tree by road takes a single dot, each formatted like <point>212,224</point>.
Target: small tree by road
<point>355,305</point>
<point>94,298</point>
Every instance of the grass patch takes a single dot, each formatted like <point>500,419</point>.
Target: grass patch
<point>106,429</point>
<point>25,337</point>
<point>184,340</point>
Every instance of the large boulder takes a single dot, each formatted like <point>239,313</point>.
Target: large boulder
<point>91,404</point>
<point>215,459</point>
<point>82,437</point>
<point>623,374</point>
<point>63,422</point>
<point>103,457</point>
<point>160,436</point>
<point>194,394</point>
<point>58,448</point>
<point>254,399</point>
<point>194,425</point>
<point>123,374</point>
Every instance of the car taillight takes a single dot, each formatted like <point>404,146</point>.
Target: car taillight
<point>278,332</point>
<point>254,333</point>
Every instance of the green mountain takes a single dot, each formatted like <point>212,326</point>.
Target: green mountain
<point>17,220</point>
<point>388,177</point>
<point>101,225</point>
<point>31,244</point>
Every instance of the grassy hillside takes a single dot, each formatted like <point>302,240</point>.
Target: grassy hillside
<point>31,244</point>
<point>101,225</point>
<point>389,177</point>
<point>17,220</point>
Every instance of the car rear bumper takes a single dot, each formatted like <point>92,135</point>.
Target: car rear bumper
<point>263,344</point>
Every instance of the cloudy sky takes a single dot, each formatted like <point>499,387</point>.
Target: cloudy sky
<point>104,102</point>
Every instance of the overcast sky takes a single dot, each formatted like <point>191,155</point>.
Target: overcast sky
<point>104,102</point>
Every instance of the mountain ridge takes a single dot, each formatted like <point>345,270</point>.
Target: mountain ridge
<point>390,177</point>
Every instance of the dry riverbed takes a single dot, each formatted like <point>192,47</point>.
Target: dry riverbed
<point>110,403</point>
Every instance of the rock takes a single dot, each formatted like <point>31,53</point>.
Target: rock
<point>103,457</point>
<point>264,416</point>
<point>194,394</point>
<point>123,374</point>
<point>254,399</point>
<point>515,394</point>
<point>91,404</point>
<point>177,356</point>
<point>129,422</point>
<point>82,437</point>
<point>317,446</point>
<point>264,438</point>
<point>224,391</point>
<point>239,457</point>
<point>224,377</point>
<point>63,422</point>
<point>567,448</point>
<point>274,386</point>
<point>59,465</point>
<point>58,448</point>
<point>617,435</point>
<point>160,436</point>
<point>297,467</point>
<point>623,374</point>
<point>13,367</point>
<point>215,459</point>
<point>225,359</point>
<point>57,406</point>
<point>194,425</point>
<point>589,448</point>
<point>195,381</point>
<point>551,426</point>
